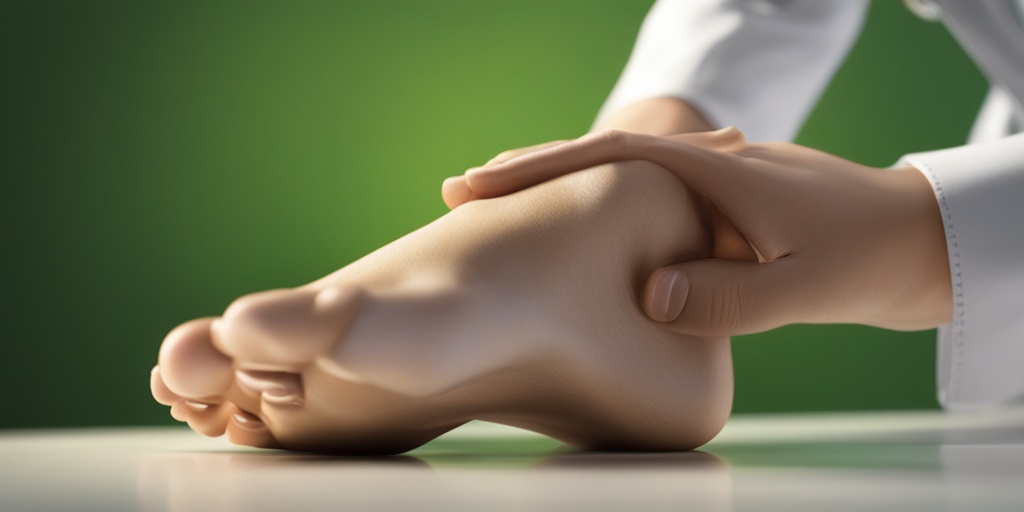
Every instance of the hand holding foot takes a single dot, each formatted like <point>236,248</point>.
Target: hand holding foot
<point>515,310</point>
<point>835,241</point>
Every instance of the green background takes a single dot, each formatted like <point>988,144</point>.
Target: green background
<point>161,158</point>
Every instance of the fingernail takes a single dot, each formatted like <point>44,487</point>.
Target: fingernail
<point>669,295</point>
<point>248,421</point>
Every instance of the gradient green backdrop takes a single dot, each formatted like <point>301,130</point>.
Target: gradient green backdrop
<point>161,158</point>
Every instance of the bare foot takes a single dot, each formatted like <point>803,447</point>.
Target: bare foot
<point>520,310</point>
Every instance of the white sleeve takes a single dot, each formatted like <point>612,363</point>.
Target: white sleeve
<point>759,65</point>
<point>980,190</point>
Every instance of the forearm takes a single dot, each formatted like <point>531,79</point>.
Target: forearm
<point>656,116</point>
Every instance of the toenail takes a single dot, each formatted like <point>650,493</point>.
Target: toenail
<point>196,406</point>
<point>265,386</point>
<point>248,421</point>
<point>282,397</point>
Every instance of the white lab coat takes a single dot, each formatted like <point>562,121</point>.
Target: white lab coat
<point>760,65</point>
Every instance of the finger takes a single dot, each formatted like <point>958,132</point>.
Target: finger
<point>790,155</point>
<point>722,298</point>
<point>704,170</point>
<point>728,242</point>
<point>729,139</point>
<point>505,156</point>
<point>456,192</point>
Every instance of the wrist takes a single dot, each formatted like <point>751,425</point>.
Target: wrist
<point>930,299</point>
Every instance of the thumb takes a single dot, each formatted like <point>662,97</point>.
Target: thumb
<point>713,297</point>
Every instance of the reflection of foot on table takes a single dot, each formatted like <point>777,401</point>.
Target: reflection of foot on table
<point>520,310</point>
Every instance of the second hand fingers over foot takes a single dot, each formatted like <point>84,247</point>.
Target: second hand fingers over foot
<point>455,190</point>
<point>705,169</point>
<point>521,168</point>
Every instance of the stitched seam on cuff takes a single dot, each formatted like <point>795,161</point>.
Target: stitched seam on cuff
<point>958,289</point>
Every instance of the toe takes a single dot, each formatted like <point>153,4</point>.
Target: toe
<point>190,366</point>
<point>207,419</point>
<point>210,421</point>
<point>274,388</point>
<point>284,330</point>
<point>181,412</point>
<point>247,429</point>
<point>160,391</point>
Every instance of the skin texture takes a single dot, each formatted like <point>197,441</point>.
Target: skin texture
<point>835,241</point>
<point>520,310</point>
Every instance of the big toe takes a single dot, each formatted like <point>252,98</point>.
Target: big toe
<point>285,330</point>
<point>190,366</point>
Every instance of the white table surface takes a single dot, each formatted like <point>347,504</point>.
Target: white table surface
<point>852,461</point>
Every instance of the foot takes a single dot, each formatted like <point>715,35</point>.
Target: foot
<point>520,310</point>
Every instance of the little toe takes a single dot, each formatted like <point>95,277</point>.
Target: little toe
<point>284,330</point>
<point>190,366</point>
<point>247,429</point>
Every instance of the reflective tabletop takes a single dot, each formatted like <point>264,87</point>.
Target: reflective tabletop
<point>850,461</point>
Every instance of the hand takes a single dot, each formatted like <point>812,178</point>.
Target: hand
<point>727,242</point>
<point>455,191</point>
<point>836,241</point>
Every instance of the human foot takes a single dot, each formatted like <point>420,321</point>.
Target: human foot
<point>519,310</point>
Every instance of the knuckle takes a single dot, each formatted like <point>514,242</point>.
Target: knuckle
<point>508,154</point>
<point>614,137</point>
<point>721,310</point>
<point>730,131</point>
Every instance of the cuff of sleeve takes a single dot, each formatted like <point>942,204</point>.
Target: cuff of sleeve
<point>980,191</point>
